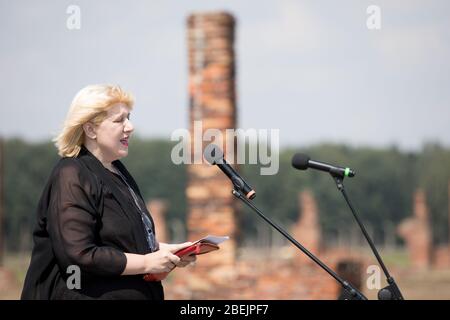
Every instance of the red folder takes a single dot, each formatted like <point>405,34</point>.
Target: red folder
<point>196,248</point>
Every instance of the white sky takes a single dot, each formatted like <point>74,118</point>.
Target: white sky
<point>309,68</point>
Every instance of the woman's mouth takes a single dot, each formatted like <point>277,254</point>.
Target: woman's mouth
<point>124,142</point>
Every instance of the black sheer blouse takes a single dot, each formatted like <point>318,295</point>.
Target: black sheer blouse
<point>86,217</point>
<point>124,185</point>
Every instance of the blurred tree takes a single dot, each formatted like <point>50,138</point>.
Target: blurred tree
<point>433,171</point>
<point>381,191</point>
<point>27,169</point>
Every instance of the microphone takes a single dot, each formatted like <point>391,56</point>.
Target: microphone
<point>302,162</point>
<point>214,155</point>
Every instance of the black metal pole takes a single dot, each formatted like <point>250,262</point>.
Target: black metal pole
<point>391,292</point>
<point>352,292</point>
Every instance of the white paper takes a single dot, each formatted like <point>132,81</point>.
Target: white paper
<point>213,239</point>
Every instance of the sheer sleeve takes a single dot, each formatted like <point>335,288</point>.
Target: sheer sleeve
<point>71,224</point>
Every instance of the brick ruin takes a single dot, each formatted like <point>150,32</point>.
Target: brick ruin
<point>416,231</point>
<point>418,236</point>
<point>307,229</point>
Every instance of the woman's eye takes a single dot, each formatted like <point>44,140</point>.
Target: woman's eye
<point>122,119</point>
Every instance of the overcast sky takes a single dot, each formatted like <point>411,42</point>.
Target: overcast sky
<point>309,68</point>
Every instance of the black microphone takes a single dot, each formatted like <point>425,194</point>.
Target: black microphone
<point>214,155</point>
<point>302,162</point>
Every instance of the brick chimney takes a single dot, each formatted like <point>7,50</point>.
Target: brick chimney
<point>307,230</point>
<point>417,233</point>
<point>211,206</point>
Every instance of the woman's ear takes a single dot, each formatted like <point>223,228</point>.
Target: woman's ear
<point>89,130</point>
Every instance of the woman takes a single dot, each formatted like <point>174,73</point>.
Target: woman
<point>91,216</point>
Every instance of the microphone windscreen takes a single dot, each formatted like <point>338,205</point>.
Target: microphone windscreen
<point>300,161</point>
<point>213,154</point>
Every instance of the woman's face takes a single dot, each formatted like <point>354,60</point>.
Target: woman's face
<point>113,132</point>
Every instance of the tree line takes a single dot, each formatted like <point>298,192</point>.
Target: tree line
<point>382,190</point>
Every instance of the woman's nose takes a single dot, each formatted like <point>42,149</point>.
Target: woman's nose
<point>128,126</point>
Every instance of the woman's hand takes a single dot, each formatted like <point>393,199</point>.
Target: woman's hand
<point>164,260</point>
<point>185,260</point>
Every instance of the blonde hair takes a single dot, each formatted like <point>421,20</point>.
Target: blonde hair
<point>90,104</point>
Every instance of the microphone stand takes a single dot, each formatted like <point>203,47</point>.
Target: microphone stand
<point>350,292</point>
<point>391,291</point>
